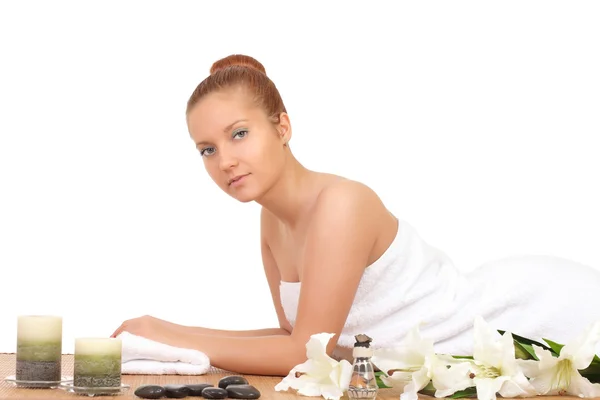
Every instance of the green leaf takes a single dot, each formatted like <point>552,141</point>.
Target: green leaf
<point>592,369</point>
<point>380,383</point>
<point>468,392</point>
<point>463,357</point>
<point>592,372</point>
<point>428,390</point>
<point>595,360</point>
<point>554,346</point>
<point>523,340</point>
<point>594,378</point>
<point>524,351</point>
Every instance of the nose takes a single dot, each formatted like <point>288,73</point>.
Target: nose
<point>227,160</point>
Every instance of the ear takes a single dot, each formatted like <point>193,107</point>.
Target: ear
<point>284,128</point>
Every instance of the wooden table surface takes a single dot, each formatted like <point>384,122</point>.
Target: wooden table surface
<point>265,384</point>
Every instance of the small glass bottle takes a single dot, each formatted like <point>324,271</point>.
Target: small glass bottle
<point>363,384</point>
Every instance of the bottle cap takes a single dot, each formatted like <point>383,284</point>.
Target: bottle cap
<point>362,346</point>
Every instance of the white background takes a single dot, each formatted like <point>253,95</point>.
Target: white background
<point>477,122</point>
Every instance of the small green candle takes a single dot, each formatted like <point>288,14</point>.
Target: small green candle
<point>39,349</point>
<point>97,363</point>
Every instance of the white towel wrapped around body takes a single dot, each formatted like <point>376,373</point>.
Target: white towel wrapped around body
<point>142,356</point>
<point>414,283</point>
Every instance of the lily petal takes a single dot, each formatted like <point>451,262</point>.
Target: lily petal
<point>316,347</point>
<point>448,381</point>
<point>291,380</point>
<point>517,386</point>
<point>488,387</point>
<point>582,350</point>
<point>400,357</point>
<point>331,392</point>
<point>307,366</point>
<point>508,363</point>
<point>544,382</point>
<point>398,379</point>
<point>319,375</point>
<point>310,389</point>
<point>529,367</point>
<point>305,383</point>
<point>486,348</point>
<point>409,354</point>
<point>342,374</point>
<point>419,380</point>
<point>399,363</point>
<point>582,387</point>
<point>449,360</point>
<point>547,360</point>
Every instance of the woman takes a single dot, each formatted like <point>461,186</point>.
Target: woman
<point>337,260</point>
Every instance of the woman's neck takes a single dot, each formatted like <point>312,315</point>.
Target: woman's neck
<point>293,193</point>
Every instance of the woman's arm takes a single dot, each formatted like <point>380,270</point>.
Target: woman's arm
<point>340,238</point>
<point>146,325</point>
<point>197,330</point>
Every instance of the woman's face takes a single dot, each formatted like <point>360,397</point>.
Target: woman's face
<point>243,151</point>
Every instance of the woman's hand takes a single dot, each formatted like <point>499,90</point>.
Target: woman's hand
<point>149,327</point>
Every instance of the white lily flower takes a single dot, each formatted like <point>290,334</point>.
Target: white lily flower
<point>413,364</point>
<point>449,375</point>
<point>495,367</point>
<point>560,375</point>
<point>320,375</point>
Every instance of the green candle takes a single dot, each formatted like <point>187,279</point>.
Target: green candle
<point>97,363</point>
<point>39,349</point>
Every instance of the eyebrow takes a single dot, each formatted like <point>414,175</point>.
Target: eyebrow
<point>225,130</point>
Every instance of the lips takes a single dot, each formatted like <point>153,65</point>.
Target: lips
<point>236,179</point>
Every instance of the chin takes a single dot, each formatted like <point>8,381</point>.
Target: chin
<point>244,196</point>
<point>251,191</point>
<point>244,199</point>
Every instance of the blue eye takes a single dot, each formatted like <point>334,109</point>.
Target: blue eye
<point>207,151</point>
<point>241,133</point>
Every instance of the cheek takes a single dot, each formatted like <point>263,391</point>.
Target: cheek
<point>213,170</point>
<point>271,159</point>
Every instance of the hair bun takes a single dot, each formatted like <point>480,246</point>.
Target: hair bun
<point>237,60</point>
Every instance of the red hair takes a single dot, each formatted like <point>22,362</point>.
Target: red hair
<point>239,70</point>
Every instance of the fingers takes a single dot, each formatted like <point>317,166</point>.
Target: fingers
<point>118,331</point>
<point>129,324</point>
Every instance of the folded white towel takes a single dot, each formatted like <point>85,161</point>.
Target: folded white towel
<point>148,357</point>
<point>149,367</point>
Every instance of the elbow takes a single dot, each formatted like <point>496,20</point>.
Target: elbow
<point>297,352</point>
<point>295,355</point>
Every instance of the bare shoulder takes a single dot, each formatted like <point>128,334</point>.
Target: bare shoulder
<point>346,195</point>
<point>342,234</point>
